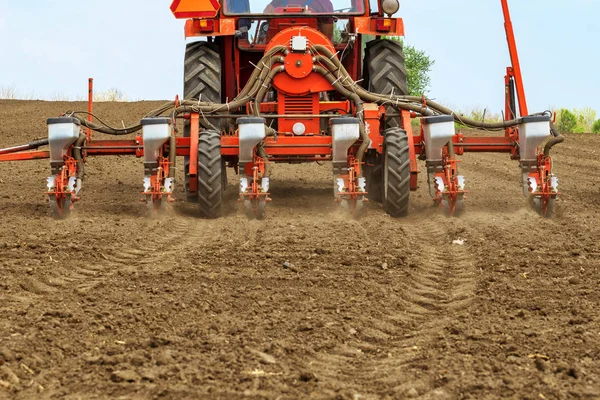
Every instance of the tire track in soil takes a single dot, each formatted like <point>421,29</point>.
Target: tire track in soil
<point>84,277</point>
<point>441,283</point>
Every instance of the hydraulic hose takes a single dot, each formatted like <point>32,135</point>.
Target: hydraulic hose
<point>328,65</point>
<point>403,102</point>
<point>78,156</point>
<point>266,85</point>
<point>556,139</point>
<point>359,109</point>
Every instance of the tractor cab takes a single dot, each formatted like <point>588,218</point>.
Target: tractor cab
<point>261,20</point>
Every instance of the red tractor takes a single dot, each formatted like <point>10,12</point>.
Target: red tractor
<point>295,81</point>
<point>311,119</point>
<point>308,118</point>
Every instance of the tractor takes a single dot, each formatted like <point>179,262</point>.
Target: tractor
<point>297,81</point>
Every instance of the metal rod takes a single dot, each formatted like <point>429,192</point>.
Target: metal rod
<point>514,58</point>
<point>90,105</point>
<point>110,147</point>
<point>483,144</point>
<point>28,146</point>
<point>289,116</point>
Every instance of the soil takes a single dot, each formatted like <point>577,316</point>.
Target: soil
<point>307,303</point>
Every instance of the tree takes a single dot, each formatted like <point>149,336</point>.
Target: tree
<point>418,67</point>
<point>567,121</point>
<point>596,127</point>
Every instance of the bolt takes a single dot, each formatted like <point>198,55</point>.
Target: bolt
<point>298,63</point>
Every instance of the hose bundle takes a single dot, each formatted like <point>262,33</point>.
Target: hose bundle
<point>331,68</point>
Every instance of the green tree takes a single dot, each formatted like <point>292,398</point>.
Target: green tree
<point>596,127</point>
<point>418,67</point>
<point>567,121</point>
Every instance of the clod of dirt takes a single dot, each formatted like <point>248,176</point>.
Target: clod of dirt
<point>125,376</point>
<point>320,251</point>
<point>149,375</point>
<point>9,375</point>
<point>6,354</point>
<point>165,358</point>
<point>574,280</point>
<point>384,266</point>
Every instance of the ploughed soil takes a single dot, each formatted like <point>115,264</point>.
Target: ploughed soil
<point>308,303</point>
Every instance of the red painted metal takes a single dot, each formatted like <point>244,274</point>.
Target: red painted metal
<point>414,168</point>
<point>514,57</point>
<point>28,155</point>
<point>195,8</point>
<point>293,82</point>
<point>194,138</point>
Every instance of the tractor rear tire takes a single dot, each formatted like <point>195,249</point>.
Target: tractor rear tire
<point>396,172</point>
<point>201,80</point>
<point>211,168</point>
<point>384,72</point>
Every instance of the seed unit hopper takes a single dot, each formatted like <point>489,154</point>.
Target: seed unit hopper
<point>296,81</point>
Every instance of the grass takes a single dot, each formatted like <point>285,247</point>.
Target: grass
<point>10,92</point>
<point>112,94</point>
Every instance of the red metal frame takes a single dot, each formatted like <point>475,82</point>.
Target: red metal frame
<point>514,58</point>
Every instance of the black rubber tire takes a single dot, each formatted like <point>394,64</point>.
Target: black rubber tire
<point>211,168</point>
<point>384,71</point>
<point>202,73</point>
<point>396,174</point>
<point>201,79</point>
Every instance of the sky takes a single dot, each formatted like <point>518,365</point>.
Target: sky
<point>49,48</point>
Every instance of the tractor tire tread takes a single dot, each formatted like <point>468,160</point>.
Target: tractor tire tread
<point>385,70</point>
<point>201,78</point>
<point>210,170</point>
<point>398,172</point>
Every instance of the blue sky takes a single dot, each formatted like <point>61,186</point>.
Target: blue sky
<point>51,47</point>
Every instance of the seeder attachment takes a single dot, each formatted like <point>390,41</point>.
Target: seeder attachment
<point>536,167</point>
<point>254,179</point>
<point>158,168</point>
<point>65,182</point>
<point>349,184</point>
<point>446,187</point>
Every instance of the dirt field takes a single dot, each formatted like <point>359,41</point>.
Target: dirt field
<point>113,304</point>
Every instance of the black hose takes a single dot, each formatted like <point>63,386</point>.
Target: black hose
<point>556,139</point>
<point>78,156</point>
<point>404,102</point>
